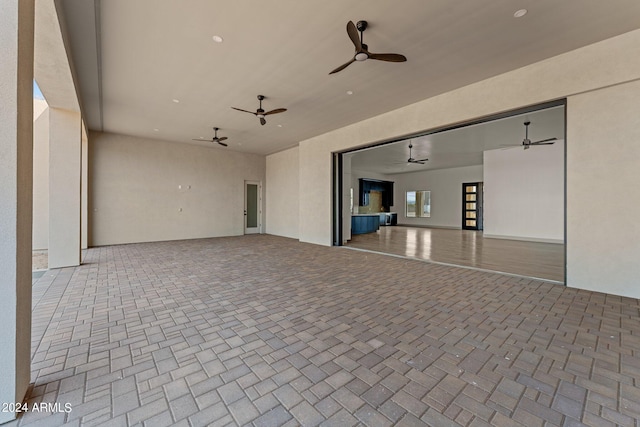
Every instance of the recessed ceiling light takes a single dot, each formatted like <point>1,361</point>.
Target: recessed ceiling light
<point>279,126</point>
<point>156,130</point>
<point>349,92</point>
<point>520,13</point>
<point>218,39</point>
<point>176,100</point>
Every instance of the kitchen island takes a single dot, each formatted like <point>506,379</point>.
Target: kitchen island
<point>365,223</point>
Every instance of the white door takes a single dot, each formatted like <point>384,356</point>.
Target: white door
<point>252,207</point>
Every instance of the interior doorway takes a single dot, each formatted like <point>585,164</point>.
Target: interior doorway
<point>252,207</point>
<point>492,159</point>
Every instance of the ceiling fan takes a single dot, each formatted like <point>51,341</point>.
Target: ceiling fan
<point>412,160</point>
<point>260,113</point>
<point>362,50</point>
<point>215,138</point>
<point>527,143</point>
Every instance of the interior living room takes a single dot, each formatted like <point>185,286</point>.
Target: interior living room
<point>342,214</point>
<point>483,195</point>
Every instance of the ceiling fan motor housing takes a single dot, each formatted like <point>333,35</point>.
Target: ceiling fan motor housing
<point>362,56</point>
<point>260,111</point>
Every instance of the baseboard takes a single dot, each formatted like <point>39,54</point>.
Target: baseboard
<point>525,239</point>
<point>446,227</point>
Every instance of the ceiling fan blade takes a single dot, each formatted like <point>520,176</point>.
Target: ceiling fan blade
<point>422,160</point>
<point>545,141</point>
<point>276,111</point>
<point>262,121</point>
<point>222,139</point>
<point>222,143</point>
<point>343,66</point>
<point>353,35</point>
<point>389,57</point>
<point>244,111</point>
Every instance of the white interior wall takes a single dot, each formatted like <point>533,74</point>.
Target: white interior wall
<point>603,154</point>
<point>524,193</point>
<point>145,190</point>
<point>446,194</point>
<point>282,193</point>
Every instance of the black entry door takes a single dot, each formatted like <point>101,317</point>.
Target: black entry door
<point>472,206</point>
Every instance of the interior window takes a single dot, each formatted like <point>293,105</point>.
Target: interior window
<point>418,204</point>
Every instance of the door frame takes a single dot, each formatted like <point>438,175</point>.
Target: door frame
<point>258,229</point>
<point>337,185</point>
<point>479,206</point>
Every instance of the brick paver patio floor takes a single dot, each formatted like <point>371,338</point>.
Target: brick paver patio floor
<point>267,331</point>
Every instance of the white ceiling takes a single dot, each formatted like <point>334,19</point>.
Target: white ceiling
<point>133,57</point>
<point>463,146</point>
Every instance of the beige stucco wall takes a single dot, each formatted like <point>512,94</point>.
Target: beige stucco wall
<point>283,193</point>
<point>593,67</point>
<point>40,174</point>
<point>603,171</point>
<point>65,130</point>
<point>143,190</point>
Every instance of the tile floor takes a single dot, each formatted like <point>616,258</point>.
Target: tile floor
<point>267,331</point>
<point>467,248</point>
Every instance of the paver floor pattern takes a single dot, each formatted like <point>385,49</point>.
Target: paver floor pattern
<point>267,331</point>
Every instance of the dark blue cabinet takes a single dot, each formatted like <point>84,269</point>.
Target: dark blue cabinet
<point>367,185</point>
<point>361,224</point>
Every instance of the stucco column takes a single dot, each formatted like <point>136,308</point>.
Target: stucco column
<point>16,192</point>
<point>65,160</point>
<point>84,212</point>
